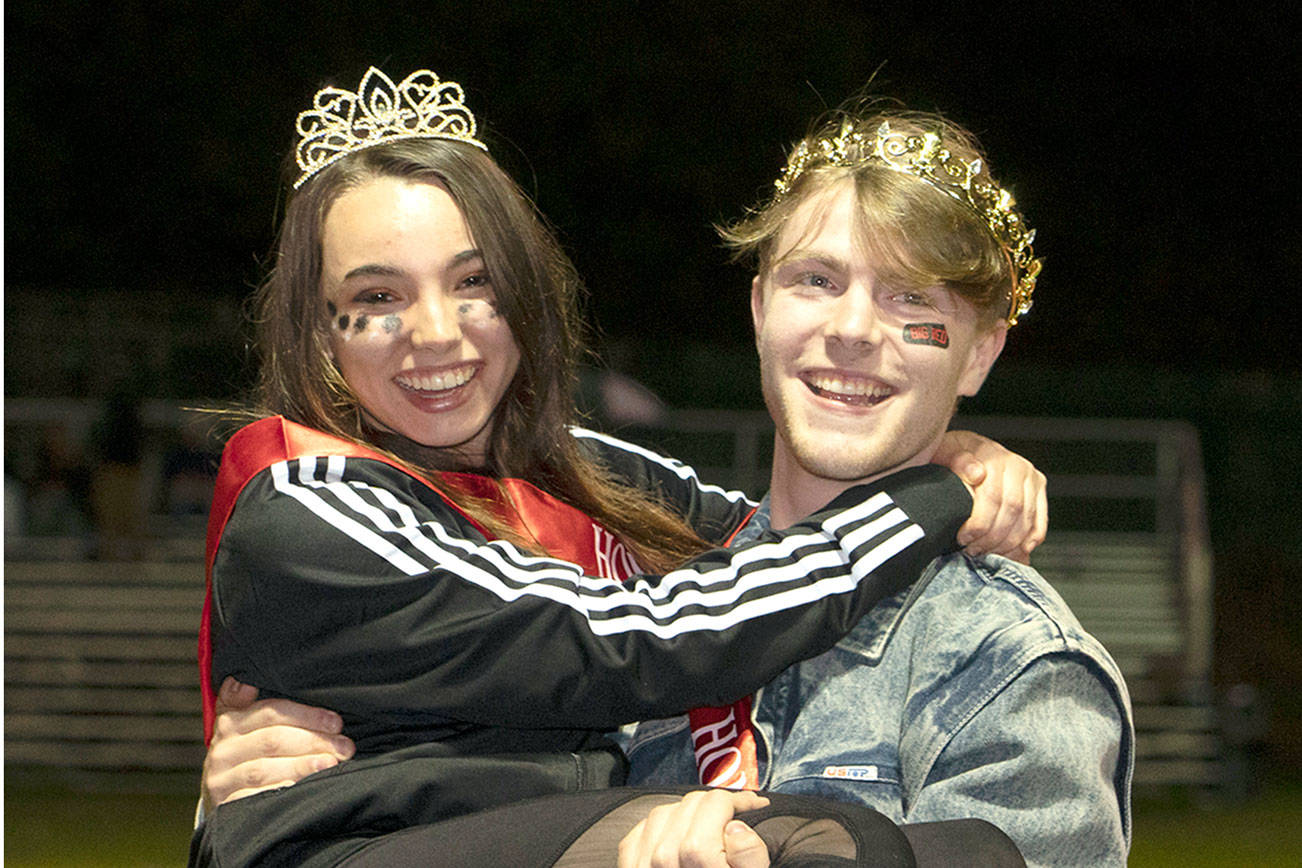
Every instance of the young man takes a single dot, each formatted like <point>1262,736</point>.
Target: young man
<point>890,266</point>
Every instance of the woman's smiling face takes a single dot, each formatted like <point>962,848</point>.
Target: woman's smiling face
<point>414,325</point>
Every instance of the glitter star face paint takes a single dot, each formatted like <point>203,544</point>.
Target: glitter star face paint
<point>417,335</point>
<point>853,394</point>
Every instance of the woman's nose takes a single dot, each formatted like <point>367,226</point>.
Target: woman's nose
<point>435,321</point>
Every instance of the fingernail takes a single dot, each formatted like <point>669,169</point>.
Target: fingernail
<point>345,747</point>
<point>321,763</point>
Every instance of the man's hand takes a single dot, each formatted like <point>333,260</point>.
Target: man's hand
<point>697,832</point>
<point>264,744</point>
<point>1010,510</point>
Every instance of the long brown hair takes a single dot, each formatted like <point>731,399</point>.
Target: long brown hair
<point>537,290</point>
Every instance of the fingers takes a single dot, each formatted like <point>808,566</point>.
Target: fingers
<point>1010,513</point>
<point>743,847</point>
<point>275,712</point>
<point>1002,515</point>
<point>969,468</point>
<point>268,743</point>
<point>235,695</point>
<point>689,833</point>
<point>270,757</point>
<point>1040,525</point>
<point>267,773</point>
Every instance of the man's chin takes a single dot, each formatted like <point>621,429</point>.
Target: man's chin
<point>844,467</point>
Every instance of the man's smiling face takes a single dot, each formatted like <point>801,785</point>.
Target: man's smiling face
<point>861,377</point>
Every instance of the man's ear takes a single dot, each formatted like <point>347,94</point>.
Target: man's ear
<point>981,358</point>
<point>757,304</point>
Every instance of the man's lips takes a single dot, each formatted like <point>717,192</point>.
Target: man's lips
<point>858,391</point>
<point>436,381</point>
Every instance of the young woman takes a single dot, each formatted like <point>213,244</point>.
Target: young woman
<point>415,537</point>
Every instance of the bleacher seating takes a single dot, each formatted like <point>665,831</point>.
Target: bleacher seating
<point>101,671</point>
<point>100,656</point>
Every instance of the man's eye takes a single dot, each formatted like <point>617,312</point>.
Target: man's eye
<point>911,299</point>
<point>814,280</point>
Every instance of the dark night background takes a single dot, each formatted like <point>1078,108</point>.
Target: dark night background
<point>1154,151</point>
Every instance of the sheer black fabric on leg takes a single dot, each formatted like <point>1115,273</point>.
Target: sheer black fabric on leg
<point>583,830</point>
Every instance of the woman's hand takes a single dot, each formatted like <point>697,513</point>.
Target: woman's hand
<point>265,744</point>
<point>698,831</point>
<point>1010,511</point>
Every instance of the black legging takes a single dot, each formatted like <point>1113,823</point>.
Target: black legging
<point>583,830</point>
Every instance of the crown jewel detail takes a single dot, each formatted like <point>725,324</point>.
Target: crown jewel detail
<point>925,157</point>
<point>341,122</point>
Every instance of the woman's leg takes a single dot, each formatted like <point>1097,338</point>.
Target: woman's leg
<point>583,830</point>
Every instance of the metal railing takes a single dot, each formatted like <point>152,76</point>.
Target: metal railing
<point>1128,549</point>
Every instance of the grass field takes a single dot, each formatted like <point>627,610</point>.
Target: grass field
<point>46,824</point>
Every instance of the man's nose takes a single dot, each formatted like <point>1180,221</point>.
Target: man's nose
<point>434,321</point>
<point>854,320</point>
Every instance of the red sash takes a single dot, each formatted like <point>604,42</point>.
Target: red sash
<point>725,744</point>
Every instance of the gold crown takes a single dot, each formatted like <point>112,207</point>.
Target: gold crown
<point>341,122</point>
<point>924,156</point>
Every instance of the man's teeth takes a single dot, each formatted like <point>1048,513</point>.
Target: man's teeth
<point>440,381</point>
<point>851,388</point>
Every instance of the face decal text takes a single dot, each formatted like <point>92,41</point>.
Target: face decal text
<point>932,334</point>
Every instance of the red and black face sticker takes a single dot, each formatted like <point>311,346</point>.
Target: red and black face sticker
<point>932,334</point>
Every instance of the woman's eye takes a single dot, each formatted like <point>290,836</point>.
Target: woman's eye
<point>373,296</point>
<point>475,281</point>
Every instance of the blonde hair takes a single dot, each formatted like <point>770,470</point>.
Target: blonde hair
<point>918,235</point>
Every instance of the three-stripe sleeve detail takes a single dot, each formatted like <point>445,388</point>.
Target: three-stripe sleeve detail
<point>712,594</point>
<point>678,468</point>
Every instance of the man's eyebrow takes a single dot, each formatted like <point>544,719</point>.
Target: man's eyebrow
<point>831,263</point>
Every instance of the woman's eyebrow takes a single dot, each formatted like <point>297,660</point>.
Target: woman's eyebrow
<point>374,270</point>
<point>378,270</point>
<point>466,255</point>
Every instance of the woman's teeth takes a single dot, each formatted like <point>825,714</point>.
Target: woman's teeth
<point>437,382</point>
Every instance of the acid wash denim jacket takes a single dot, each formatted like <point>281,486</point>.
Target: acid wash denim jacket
<point>974,693</point>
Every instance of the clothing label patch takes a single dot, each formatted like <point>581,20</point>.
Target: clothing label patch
<point>931,333</point>
<point>856,773</point>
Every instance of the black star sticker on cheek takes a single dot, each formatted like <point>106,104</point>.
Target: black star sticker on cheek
<point>362,322</point>
<point>331,309</point>
<point>343,323</point>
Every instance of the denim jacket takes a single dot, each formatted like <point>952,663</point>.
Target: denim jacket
<point>974,693</point>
